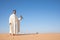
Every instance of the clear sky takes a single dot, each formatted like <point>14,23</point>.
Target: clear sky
<point>41,16</point>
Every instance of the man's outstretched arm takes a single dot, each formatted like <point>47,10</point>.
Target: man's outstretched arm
<point>20,18</point>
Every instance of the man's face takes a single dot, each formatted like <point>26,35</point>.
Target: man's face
<point>14,11</point>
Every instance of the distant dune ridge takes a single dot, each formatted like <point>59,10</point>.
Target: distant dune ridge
<point>30,37</point>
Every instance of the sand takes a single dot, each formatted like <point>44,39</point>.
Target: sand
<point>30,37</point>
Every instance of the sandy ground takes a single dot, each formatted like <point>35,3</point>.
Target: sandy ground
<point>30,37</point>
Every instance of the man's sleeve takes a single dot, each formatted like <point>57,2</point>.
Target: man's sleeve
<point>9,20</point>
<point>19,19</point>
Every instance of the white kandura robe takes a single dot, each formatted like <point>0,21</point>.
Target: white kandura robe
<point>15,24</point>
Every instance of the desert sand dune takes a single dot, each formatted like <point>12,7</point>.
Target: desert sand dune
<point>30,37</point>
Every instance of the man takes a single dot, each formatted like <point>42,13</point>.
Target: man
<point>14,23</point>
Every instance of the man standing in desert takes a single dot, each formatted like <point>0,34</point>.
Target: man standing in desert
<point>14,23</point>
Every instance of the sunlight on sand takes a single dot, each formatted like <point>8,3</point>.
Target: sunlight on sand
<point>30,37</point>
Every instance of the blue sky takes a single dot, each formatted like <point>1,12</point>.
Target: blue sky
<point>41,16</point>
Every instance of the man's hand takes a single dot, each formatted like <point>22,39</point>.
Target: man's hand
<point>21,17</point>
